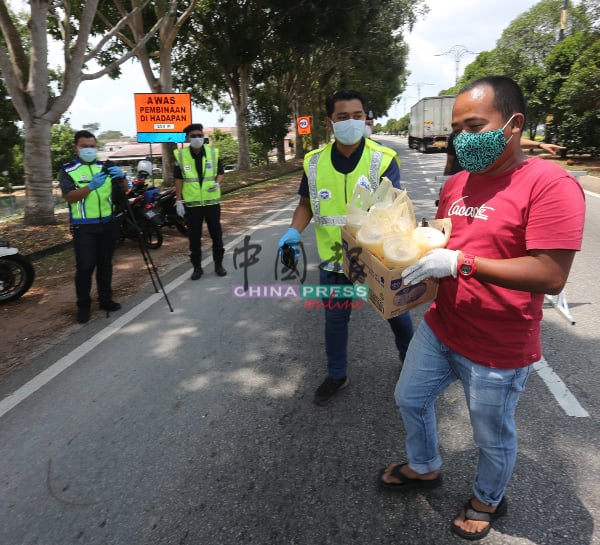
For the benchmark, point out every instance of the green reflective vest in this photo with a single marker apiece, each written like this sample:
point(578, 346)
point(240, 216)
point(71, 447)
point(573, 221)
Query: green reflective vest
point(330, 191)
point(97, 207)
point(194, 193)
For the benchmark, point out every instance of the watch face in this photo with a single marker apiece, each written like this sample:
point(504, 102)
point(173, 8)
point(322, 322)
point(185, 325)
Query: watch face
point(465, 269)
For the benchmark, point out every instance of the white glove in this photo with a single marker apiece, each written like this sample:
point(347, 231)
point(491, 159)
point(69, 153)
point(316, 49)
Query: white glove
point(213, 187)
point(179, 208)
point(436, 263)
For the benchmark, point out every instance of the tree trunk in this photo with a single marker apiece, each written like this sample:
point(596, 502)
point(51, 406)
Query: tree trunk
point(281, 151)
point(299, 144)
point(39, 201)
point(240, 104)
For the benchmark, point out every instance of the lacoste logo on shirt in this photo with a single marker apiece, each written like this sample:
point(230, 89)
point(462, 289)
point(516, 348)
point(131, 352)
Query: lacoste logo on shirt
point(458, 208)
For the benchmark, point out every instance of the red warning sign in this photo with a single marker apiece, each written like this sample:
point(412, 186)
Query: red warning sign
point(303, 125)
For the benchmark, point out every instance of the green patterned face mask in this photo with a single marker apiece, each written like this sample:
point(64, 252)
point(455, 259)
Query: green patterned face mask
point(477, 151)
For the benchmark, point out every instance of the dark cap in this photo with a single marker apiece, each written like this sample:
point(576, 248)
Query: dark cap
point(193, 127)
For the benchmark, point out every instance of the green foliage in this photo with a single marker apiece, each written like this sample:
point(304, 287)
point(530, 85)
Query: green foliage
point(228, 147)
point(301, 50)
point(578, 103)
point(269, 118)
point(107, 136)
point(61, 145)
point(92, 127)
point(557, 77)
point(258, 156)
point(10, 141)
point(396, 126)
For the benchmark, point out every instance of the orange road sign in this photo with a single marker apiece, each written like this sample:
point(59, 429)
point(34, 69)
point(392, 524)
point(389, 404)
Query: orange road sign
point(303, 125)
point(162, 112)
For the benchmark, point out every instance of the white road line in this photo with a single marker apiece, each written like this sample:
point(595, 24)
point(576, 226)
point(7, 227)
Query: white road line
point(75, 355)
point(559, 390)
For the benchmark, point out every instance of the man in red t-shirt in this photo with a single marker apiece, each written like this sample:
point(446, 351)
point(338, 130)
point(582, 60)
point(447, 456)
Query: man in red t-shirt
point(516, 225)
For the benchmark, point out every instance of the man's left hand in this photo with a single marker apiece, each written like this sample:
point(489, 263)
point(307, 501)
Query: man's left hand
point(115, 172)
point(213, 187)
point(436, 263)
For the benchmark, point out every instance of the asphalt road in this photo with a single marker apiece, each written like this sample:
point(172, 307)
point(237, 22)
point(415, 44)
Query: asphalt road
point(198, 427)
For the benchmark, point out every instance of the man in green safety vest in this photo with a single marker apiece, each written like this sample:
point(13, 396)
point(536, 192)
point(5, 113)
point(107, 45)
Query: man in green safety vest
point(198, 177)
point(87, 188)
point(330, 176)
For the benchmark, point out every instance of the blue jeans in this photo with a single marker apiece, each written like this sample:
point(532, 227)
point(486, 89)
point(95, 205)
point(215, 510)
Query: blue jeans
point(491, 394)
point(336, 328)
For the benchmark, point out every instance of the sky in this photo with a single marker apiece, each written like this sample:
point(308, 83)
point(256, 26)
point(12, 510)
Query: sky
point(474, 24)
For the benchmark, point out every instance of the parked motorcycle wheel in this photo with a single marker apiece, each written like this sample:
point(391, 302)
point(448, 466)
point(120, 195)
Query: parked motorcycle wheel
point(16, 277)
point(153, 236)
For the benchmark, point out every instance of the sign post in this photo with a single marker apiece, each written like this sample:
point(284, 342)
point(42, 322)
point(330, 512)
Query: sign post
point(161, 117)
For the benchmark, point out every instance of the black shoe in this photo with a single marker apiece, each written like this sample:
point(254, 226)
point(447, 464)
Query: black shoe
point(220, 270)
point(329, 388)
point(198, 272)
point(83, 315)
point(110, 306)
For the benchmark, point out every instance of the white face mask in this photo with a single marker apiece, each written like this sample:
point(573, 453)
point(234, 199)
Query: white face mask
point(196, 142)
point(349, 131)
point(368, 131)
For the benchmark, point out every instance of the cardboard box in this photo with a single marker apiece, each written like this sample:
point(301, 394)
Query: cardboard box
point(387, 293)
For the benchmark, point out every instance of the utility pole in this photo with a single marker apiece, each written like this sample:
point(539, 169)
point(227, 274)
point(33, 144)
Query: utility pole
point(418, 86)
point(458, 52)
point(563, 20)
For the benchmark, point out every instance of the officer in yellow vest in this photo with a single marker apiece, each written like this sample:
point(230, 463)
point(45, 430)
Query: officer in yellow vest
point(88, 191)
point(198, 175)
point(330, 176)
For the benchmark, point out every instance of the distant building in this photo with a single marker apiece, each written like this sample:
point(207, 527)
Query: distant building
point(127, 152)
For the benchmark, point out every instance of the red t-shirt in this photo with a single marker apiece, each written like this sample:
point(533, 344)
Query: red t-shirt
point(536, 206)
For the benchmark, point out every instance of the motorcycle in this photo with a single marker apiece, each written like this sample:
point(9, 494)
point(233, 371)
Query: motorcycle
point(164, 204)
point(16, 273)
point(140, 217)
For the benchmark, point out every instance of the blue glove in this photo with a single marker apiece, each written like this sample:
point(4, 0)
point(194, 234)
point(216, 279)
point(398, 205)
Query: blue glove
point(291, 238)
point(97, 180)
point(213, 187)
point(115, 172)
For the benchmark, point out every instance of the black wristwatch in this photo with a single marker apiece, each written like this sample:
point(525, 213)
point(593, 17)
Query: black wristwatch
point(466, 266)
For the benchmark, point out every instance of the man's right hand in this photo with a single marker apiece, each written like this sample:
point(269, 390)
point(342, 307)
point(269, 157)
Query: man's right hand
point(180, 209)
point(97, 180)
point(291, 238)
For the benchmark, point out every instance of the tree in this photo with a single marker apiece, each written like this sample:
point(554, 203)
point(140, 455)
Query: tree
point(529, 51)
point(304, 47)
point(270, 118)
point(166, 16)
point(107, 136)
point(228, 148)
point(61, 145)
point(39, 100)
point(10, 137)
point(578, 103)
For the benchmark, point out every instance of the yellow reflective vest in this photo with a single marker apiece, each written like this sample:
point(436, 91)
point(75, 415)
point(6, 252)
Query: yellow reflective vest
point(97, 207)
point(194, 193)
point(330, 191)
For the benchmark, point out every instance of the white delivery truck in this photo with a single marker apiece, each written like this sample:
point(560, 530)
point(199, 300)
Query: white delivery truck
point(430, 123)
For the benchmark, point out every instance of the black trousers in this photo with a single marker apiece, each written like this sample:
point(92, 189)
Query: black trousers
point(94, 245)
point(195, 215)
